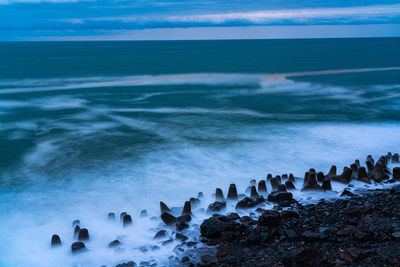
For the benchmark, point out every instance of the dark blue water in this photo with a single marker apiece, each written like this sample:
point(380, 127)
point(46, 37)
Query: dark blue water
point(89, 127)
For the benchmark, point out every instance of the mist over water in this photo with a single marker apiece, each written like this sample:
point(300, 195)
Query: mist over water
point(79, 145)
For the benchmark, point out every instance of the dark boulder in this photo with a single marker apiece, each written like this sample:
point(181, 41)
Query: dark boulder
point(216, 206)
point(168, 219)
point(127, 220)
point(269, 177)
point(253, 182)
point(121, 216)
point(76, 231)
point(363, 176)
point(114, 243)
point(262, 187)
point(291, 177)
point(395, 158)
point(181, 237)
point(247, 202)
point(111, 216)
point(347, 193)
point(356, 210)
point(184, 218)
point(212, 227)
point(161, 234)
point(396, 173)
point(83, 234)
point(232, 192)
point(354, 171)
point(332, 172)
point(344, 178)
point(253, 192)
point(187, 208)
point(55, 241)
point(277, 196)
point(282, 188)
point(320, 176)
point(78, 247)
point(195, 202)
point(286, 214)
point(326, 184)
point(164, 207)
point(275, 182)
point(289, 185)
point(143, 213)
point(76, 222)
point(180, 226)
point(219, 195)
point(311, 183)
point(200, 195)
point(269, 218)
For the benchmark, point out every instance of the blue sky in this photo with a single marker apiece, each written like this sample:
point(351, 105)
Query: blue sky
point(207, 19)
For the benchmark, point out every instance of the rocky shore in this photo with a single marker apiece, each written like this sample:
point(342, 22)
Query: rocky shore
point(360, 226)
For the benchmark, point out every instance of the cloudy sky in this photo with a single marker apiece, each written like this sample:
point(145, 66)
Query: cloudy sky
point(196, 19)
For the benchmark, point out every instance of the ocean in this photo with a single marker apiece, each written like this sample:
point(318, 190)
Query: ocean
point(92, 127)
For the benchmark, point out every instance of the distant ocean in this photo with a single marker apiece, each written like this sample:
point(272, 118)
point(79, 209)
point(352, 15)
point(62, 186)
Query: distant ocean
point(92, 127)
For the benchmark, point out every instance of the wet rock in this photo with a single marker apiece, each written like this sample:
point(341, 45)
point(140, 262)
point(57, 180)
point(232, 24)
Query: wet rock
point(127, 220)
point(306, 257)
point(78, 247)
point(155, 248)
point(253, 192)
point(164, 207)
point(55, 241)
point(83, 234)
point(75, 222)
point(253, 182)
point(332, 172)
point(121, 216)
point(143, 214)
point(262, 187)
point(291, 177)
point(277, 196)
point(219, 195)
point(282, 188)
point(209, 259)
point(200, 195)
point(247, 202)
point(289, 185)
point(217, 206)
point(356, 210)
point(320, 176)
point(187, 208)
point(395, 158)
point(344, 178)
point(111, 216)
point(180, 226)
point(378, 173)
point(347, 193)
point(168, 219)
point(354, 171)
point(195, 202)
point(184, 218)
point(246, 220)
point(127, 264)
point(114, 243)
point(286, 214)
point(167, 242)
point(161, 234)
point(181, 237)
point(232, 192)
point(269, 177)
point(396, 173)
point(269, 218)
point(326, 184)
point(233, 216)
point(363, 176)
point(212, 227)
point(284, 176)
point(275, 182)
point(311, 183)
point(76, 231)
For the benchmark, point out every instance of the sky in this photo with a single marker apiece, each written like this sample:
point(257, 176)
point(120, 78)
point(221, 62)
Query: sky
point(24, 20)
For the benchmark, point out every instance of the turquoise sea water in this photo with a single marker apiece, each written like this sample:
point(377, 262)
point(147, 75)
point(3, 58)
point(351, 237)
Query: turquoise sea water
point(92, 127)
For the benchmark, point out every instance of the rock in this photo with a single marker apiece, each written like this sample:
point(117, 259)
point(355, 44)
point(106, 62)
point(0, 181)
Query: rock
point(114, 243)
point(233, 216)
point(75, 222)
point(291, 177)
point(354, 252)
point(290, 234)
point(195, 202)
point(354, 171)
point(307, 256)
point(200, 195)
point(326, 184)
point(232, 192)
point(378, 173)
point(184, 218)
point(269, 218)
point(246, 220)
point(216, 206)
point(187, 208)
point(209, 260)
point(247, 202)
point(277, 196)
point(289, 185)
point(154, 248)
point(181, 237)
point(286, 214)
point(253, 182)
point(269, 177)
point(127, 220)
point(143, 213)
point(284, 176)
point(180, 226)
point(363, 176)
point(128, 264)
point(164, 207)
point(121, 216)
point(356, 210)
point(83, 234)
point(282, 188)
point(212, 227)
point(111, 216)
point(76, 231)
point(78, 247)
point(344, 178)
point(262, 187)
point(311, 182)
point(332, 172)
point(168, 219)
point(275, 182)
point(161, 234)
point(370, 159)
point(253, 192)
point(55, 241)
point(396, 173)
point(395, 158)
point(219, 195)
point(347, 193)
point(396, 234)
point(320, 176)
point(167, 242)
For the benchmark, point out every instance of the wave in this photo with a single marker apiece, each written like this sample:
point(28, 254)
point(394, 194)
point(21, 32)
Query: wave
point(216, 79)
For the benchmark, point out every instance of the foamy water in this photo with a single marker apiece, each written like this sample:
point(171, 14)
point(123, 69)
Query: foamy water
point(78, 147)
